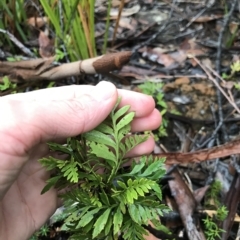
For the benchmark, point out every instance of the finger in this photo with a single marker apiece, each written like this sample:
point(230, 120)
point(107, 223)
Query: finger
point(150, 122)
point(26, 123)
point(144, 148)
point(140, 103)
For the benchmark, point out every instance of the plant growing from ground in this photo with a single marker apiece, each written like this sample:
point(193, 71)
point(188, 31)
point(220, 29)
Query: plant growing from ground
point(105, 199)
point(42, 232)
point(212, 229)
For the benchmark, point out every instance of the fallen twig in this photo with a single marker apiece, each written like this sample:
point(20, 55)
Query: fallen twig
point(44, 69)
point(230, 148)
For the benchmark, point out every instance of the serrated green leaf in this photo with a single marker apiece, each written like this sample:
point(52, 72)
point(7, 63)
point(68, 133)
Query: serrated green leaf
point(49, 163)
point(125, 120)
point(134, 213)
point(148, 213)
point(143, 214)
point(104, 128)
point(122, 184)
point(50, 183)
point(102, 151)
point(129, 197)
point(123, 131)
point(137, 168)
point(153, 167)
point(88, 228)
point(117, 221)
point(122, 207)
point(158, 191)
point(109, 225)
point(87, 217)
point(99, 137)
point(134, 194)
point(104, 198)
point(101, 222)
point(60, 148)
point(120, 112)
point(130, 182)
point(160, 227)
point(140, 191)
point(70, 171)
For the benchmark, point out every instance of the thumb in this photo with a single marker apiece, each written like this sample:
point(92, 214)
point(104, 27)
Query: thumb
point(40, 116)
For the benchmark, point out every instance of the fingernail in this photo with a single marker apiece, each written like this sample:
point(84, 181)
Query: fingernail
point(103, 91)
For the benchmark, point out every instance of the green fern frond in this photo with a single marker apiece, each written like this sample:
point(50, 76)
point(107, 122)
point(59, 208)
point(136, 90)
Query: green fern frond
point(103, 199)
point(133, 231)
point(133, 189)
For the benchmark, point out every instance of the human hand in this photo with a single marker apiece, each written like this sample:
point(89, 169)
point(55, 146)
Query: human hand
point(28, 121)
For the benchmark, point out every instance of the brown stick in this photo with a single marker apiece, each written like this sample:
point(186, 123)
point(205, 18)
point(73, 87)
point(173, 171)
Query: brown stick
point(44, 69)
point(225, 150)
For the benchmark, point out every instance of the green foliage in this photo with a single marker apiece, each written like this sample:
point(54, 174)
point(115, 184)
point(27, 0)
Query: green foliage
point(12, 16)
point(7, 84)
point(76, 29)
point(212, 198)
point(42, 232)
point(212, 229)
point(155, 90)
point(235, 68)
point(104, 199)
point(222, 213)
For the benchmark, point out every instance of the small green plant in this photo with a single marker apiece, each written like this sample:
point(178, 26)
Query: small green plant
point(212, 229)
point(106, 199)
point(235, 67)
point(213, 195)
point(7, 84)
point(42, 232)
point(155, 90)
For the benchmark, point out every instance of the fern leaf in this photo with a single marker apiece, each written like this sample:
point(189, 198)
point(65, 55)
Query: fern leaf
point(144, 215)
point(137, 168)
point(101, 222)
point(131, 191)
point(104, 128)
point(132, 141)
point(85, 219)
point(117, 221)
point(60, 148)
point(125, 120)
point(120, 113)
point(99, 137)
point(50, 183)
point(102, 151)
point(108, 226)
point(134, 213)
point(70, 170)
point(151, 169)
point(123, 132)
point(157, 191)
point(133, 230)
point(49, 163)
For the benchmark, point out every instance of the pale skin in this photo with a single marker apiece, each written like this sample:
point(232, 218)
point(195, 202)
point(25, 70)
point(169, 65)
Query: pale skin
point(28, 121)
